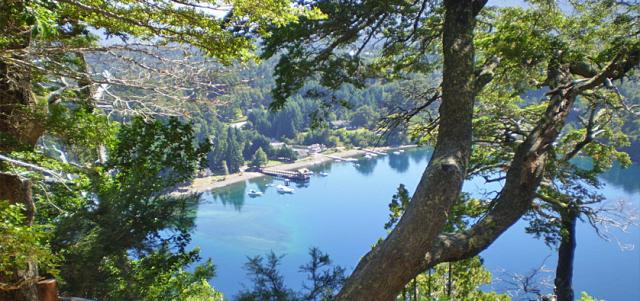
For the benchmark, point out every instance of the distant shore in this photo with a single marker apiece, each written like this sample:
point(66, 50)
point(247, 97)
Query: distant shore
point(202, 184)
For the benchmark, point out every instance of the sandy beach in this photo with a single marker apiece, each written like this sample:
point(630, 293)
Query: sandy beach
point(202, 184)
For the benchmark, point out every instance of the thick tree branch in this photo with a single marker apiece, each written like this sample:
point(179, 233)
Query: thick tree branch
point(526, 169)
point(384, 271)
point(616, 69)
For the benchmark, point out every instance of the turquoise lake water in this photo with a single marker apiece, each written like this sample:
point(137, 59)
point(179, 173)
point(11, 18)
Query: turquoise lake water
point(343, 214)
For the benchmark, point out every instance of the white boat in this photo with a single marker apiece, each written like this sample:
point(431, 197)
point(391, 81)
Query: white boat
point(402, 150)
point(323, 174)
point(368, 156)
point(396, 152)
point(284, 189)
point(253, 193)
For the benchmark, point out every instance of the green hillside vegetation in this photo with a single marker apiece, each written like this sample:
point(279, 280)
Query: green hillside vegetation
point(107, 107)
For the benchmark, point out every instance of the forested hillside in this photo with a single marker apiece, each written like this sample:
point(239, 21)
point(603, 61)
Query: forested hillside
point(236, 117)
point(109, 109)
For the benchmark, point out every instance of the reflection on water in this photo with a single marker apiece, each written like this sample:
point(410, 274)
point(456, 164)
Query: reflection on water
point(301, 184)
point(344, 212)
point(323, 167)
point(626, 178)
point(366, 166)
point(418, 157)
point(400, 163)
point(261, 183)
point(233, 195)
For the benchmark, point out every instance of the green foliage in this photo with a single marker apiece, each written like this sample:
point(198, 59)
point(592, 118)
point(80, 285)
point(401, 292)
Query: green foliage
point(585, 297)
point(77, 126)
point(364, 116)
point(460, 280)
point(123, 236)
point(228, 153)
point(36, 17)
point(286, 153)
point(255, 143)
point(283, 123)
point(467, 276)
point(23, 244)
point(106, 213)
point(259, 158)
point(527, 39)
point(233, 154)
point(161, 276)
point(323, 283)
point(398, 204)
point(130, 230)
point(191, 22)
point(148, 150)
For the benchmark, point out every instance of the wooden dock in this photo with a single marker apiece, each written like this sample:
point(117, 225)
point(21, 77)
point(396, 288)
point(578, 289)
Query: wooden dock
point(287, 174)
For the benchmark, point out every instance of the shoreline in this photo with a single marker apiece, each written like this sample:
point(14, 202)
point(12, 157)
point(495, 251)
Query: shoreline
point(204, 184)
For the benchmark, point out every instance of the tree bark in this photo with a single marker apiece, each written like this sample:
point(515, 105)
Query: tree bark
point(522, 179)
point(526, 168)
point(566, 254)
point(20, 126)
point(386, 269)
point(414, 245)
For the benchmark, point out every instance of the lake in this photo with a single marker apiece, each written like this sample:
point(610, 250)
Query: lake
point(343, 214)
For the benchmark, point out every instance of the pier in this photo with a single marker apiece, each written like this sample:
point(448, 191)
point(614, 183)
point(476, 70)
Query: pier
point(297, 176)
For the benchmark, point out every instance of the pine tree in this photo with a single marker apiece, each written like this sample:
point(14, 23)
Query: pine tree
point(233, 153)
point(259, 158)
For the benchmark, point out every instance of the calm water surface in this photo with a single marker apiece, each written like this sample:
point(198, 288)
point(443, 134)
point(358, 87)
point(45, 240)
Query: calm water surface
point(343, 214)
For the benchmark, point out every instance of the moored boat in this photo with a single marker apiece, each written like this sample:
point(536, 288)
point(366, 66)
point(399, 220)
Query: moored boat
point(284, 189)
point(253, 193)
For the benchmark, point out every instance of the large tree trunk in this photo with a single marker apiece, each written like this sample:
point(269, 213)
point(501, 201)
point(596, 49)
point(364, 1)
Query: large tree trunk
point(385, 270)
point(526, 168)
point(522, 179)
point(415, 244)
point(566, 254)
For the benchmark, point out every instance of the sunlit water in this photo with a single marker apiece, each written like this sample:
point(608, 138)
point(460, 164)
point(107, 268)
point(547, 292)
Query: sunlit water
point(343, 214)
